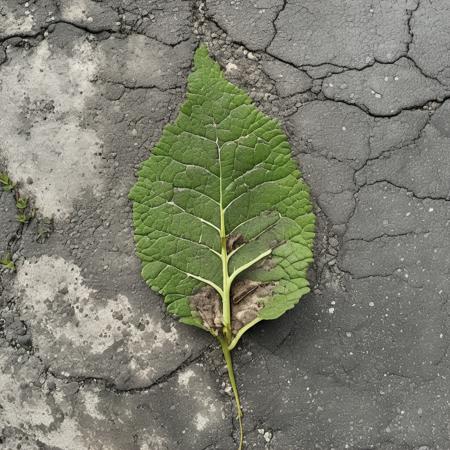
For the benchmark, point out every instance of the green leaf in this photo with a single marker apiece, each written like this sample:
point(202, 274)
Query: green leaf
point(22, 203)
point(220, 206)
point(7, 263)
point(223, 222)
point(23, 218)
point(6, 182)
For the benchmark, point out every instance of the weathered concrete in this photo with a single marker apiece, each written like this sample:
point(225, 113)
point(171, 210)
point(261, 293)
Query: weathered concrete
point(88, 357)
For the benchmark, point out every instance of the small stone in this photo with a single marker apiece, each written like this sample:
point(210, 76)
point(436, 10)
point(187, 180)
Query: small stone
point(230, 67)
point(333, 242)
point(268, 436)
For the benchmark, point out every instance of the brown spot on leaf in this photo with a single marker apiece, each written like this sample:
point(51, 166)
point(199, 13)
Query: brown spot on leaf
point(251, 297)
point(266, 264)
point(242, 289)
point(234, 241)
point(208, 305)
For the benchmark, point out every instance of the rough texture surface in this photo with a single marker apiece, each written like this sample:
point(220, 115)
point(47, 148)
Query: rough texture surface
point(87, 355)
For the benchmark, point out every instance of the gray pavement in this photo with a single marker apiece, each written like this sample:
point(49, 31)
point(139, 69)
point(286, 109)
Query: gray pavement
point(88, 357)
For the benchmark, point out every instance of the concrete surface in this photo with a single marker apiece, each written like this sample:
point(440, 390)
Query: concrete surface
point(88, 357)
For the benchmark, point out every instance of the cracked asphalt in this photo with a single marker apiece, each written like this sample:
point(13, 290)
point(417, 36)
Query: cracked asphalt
point(88, 357)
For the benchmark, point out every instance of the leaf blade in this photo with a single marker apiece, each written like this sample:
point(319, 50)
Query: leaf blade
point(223, 166)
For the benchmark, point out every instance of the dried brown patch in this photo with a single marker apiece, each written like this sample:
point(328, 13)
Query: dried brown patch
point(242, 289)
point(207, 304)
point(234, 241)
point(248, 297)
point(266, 264)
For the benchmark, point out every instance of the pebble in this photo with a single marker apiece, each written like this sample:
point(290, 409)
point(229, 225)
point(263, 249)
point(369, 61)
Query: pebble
point(268, 436)
point(230, 67)
point(333, 242)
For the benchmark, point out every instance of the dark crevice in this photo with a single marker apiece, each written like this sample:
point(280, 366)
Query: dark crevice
point(274, 24)
point(364, 277)
point(174, 89)
point(413, 194)
point(366, 110)
point(87, 29)
point(410, 14)
point(112, 387)
point(387, 236)
point(393, 149)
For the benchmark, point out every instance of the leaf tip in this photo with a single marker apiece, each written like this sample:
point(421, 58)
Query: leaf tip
point(202, 59)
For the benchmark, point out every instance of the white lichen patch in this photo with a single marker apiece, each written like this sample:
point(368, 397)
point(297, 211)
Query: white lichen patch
point(55, 296)
point(185, 376)
point(20, 399)
point(12, 400)
point(153, 442)
point(75, 10)
point(91, 404)
point(208, 411)
point(42, 138)
point(12, 24)
point(68, 318)
point(89, 12)
point(201, 421)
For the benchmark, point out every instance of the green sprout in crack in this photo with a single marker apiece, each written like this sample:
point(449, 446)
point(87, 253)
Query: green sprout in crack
point(23, 218)
point(7, 263)
point(44, 229)
point(22, 203)
point(6, 182)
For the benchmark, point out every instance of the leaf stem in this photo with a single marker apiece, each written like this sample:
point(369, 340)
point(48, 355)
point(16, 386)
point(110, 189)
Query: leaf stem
point(226, 281)
point(229, 362)
point(226, 302)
